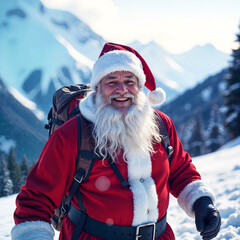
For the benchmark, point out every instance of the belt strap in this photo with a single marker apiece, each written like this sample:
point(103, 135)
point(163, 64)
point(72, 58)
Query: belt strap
point(117, 232)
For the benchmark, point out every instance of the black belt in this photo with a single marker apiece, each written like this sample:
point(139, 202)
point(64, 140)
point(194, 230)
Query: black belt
point(106, 231)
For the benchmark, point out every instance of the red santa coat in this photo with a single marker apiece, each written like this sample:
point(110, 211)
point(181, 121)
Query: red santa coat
point(103, 195)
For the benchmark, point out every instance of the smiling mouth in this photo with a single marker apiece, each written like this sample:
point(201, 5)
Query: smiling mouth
point(121, 99)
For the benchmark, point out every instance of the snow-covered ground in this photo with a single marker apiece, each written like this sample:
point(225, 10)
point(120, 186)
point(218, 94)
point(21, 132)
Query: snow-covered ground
point(221, 170)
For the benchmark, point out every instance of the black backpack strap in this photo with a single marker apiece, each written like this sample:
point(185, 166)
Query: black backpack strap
point(165, 138)
point(79, 175)
point(48, 126)
point(79, 178)
point(117, 172)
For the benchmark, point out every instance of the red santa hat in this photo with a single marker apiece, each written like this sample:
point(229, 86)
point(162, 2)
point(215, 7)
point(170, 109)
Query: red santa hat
point(115, 57)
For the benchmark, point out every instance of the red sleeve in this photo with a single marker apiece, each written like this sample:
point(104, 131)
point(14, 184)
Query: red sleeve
point(50, 178)
point(182, 170)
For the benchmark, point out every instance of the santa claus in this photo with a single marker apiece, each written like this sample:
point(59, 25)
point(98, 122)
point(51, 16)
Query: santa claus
point(124, 128)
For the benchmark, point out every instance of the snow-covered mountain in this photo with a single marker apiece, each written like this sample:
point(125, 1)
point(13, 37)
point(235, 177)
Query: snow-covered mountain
point(198, 100)
point(182, 71)
point(19, 127)
point(192, 112)
point(220, 170)
point(43, 49)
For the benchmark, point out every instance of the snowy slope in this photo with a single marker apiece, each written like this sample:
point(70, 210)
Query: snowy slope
point(220, 170)
point(19, 127)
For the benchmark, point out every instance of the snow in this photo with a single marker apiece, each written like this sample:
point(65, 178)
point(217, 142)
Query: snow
point(174, 65)
point(206, 94)
point(232, 117)
point(27, 103)
point(220, 170)
point(231, 144)
point(181, 71)
point(36, 40)
point(6, 144)
point(232, 89)
point(49, 41)
point(74, 53)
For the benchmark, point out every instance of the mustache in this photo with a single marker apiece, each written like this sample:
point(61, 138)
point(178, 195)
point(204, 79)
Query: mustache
point(125, 95)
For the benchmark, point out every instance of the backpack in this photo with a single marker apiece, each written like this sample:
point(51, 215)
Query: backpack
point(65, 106)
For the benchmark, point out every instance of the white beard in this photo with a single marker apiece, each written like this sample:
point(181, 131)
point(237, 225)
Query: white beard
point(133, 131)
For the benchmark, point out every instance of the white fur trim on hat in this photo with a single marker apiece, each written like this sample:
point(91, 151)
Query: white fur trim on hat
point(157, 97)
point(117, 60)
point(191, 193)
point(32, 230)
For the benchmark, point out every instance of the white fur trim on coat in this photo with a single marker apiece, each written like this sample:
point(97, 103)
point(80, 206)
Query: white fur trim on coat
point(87, 107)
point(32, 230)
point(142, 185)
point(191, 193)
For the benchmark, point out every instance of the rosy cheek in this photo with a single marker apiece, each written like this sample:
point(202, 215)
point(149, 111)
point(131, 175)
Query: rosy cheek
point(134, 89)
point(108, 91)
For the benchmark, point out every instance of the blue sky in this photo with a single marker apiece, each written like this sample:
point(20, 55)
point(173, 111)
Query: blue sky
point(177, 25)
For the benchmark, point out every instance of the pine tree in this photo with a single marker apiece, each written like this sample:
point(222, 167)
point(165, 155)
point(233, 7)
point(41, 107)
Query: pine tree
point(185, 134)
point(215, 132)
point(232, 93)
point(24, 170)
point(197, 146)
point(6, 186)
point(15, 171)
point(33, 164)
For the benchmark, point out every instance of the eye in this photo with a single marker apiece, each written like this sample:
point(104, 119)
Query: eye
point(111, 83)
point(130, 82)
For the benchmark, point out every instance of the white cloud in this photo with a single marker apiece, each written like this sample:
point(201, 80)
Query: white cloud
point(96, 13)
point(176, 25)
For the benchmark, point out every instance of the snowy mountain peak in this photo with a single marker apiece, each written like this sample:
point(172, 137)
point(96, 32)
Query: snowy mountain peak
point(182, 71)
point(207, 49)
point(48, 49)
point(51, 48)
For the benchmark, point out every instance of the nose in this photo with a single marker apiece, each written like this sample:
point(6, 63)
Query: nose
point(121, 89)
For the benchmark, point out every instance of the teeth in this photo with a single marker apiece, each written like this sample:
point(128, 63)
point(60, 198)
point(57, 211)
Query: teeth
point(121, 99)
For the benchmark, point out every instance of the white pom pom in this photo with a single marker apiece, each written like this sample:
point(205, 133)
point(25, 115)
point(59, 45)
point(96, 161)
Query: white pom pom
point(157, 97)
